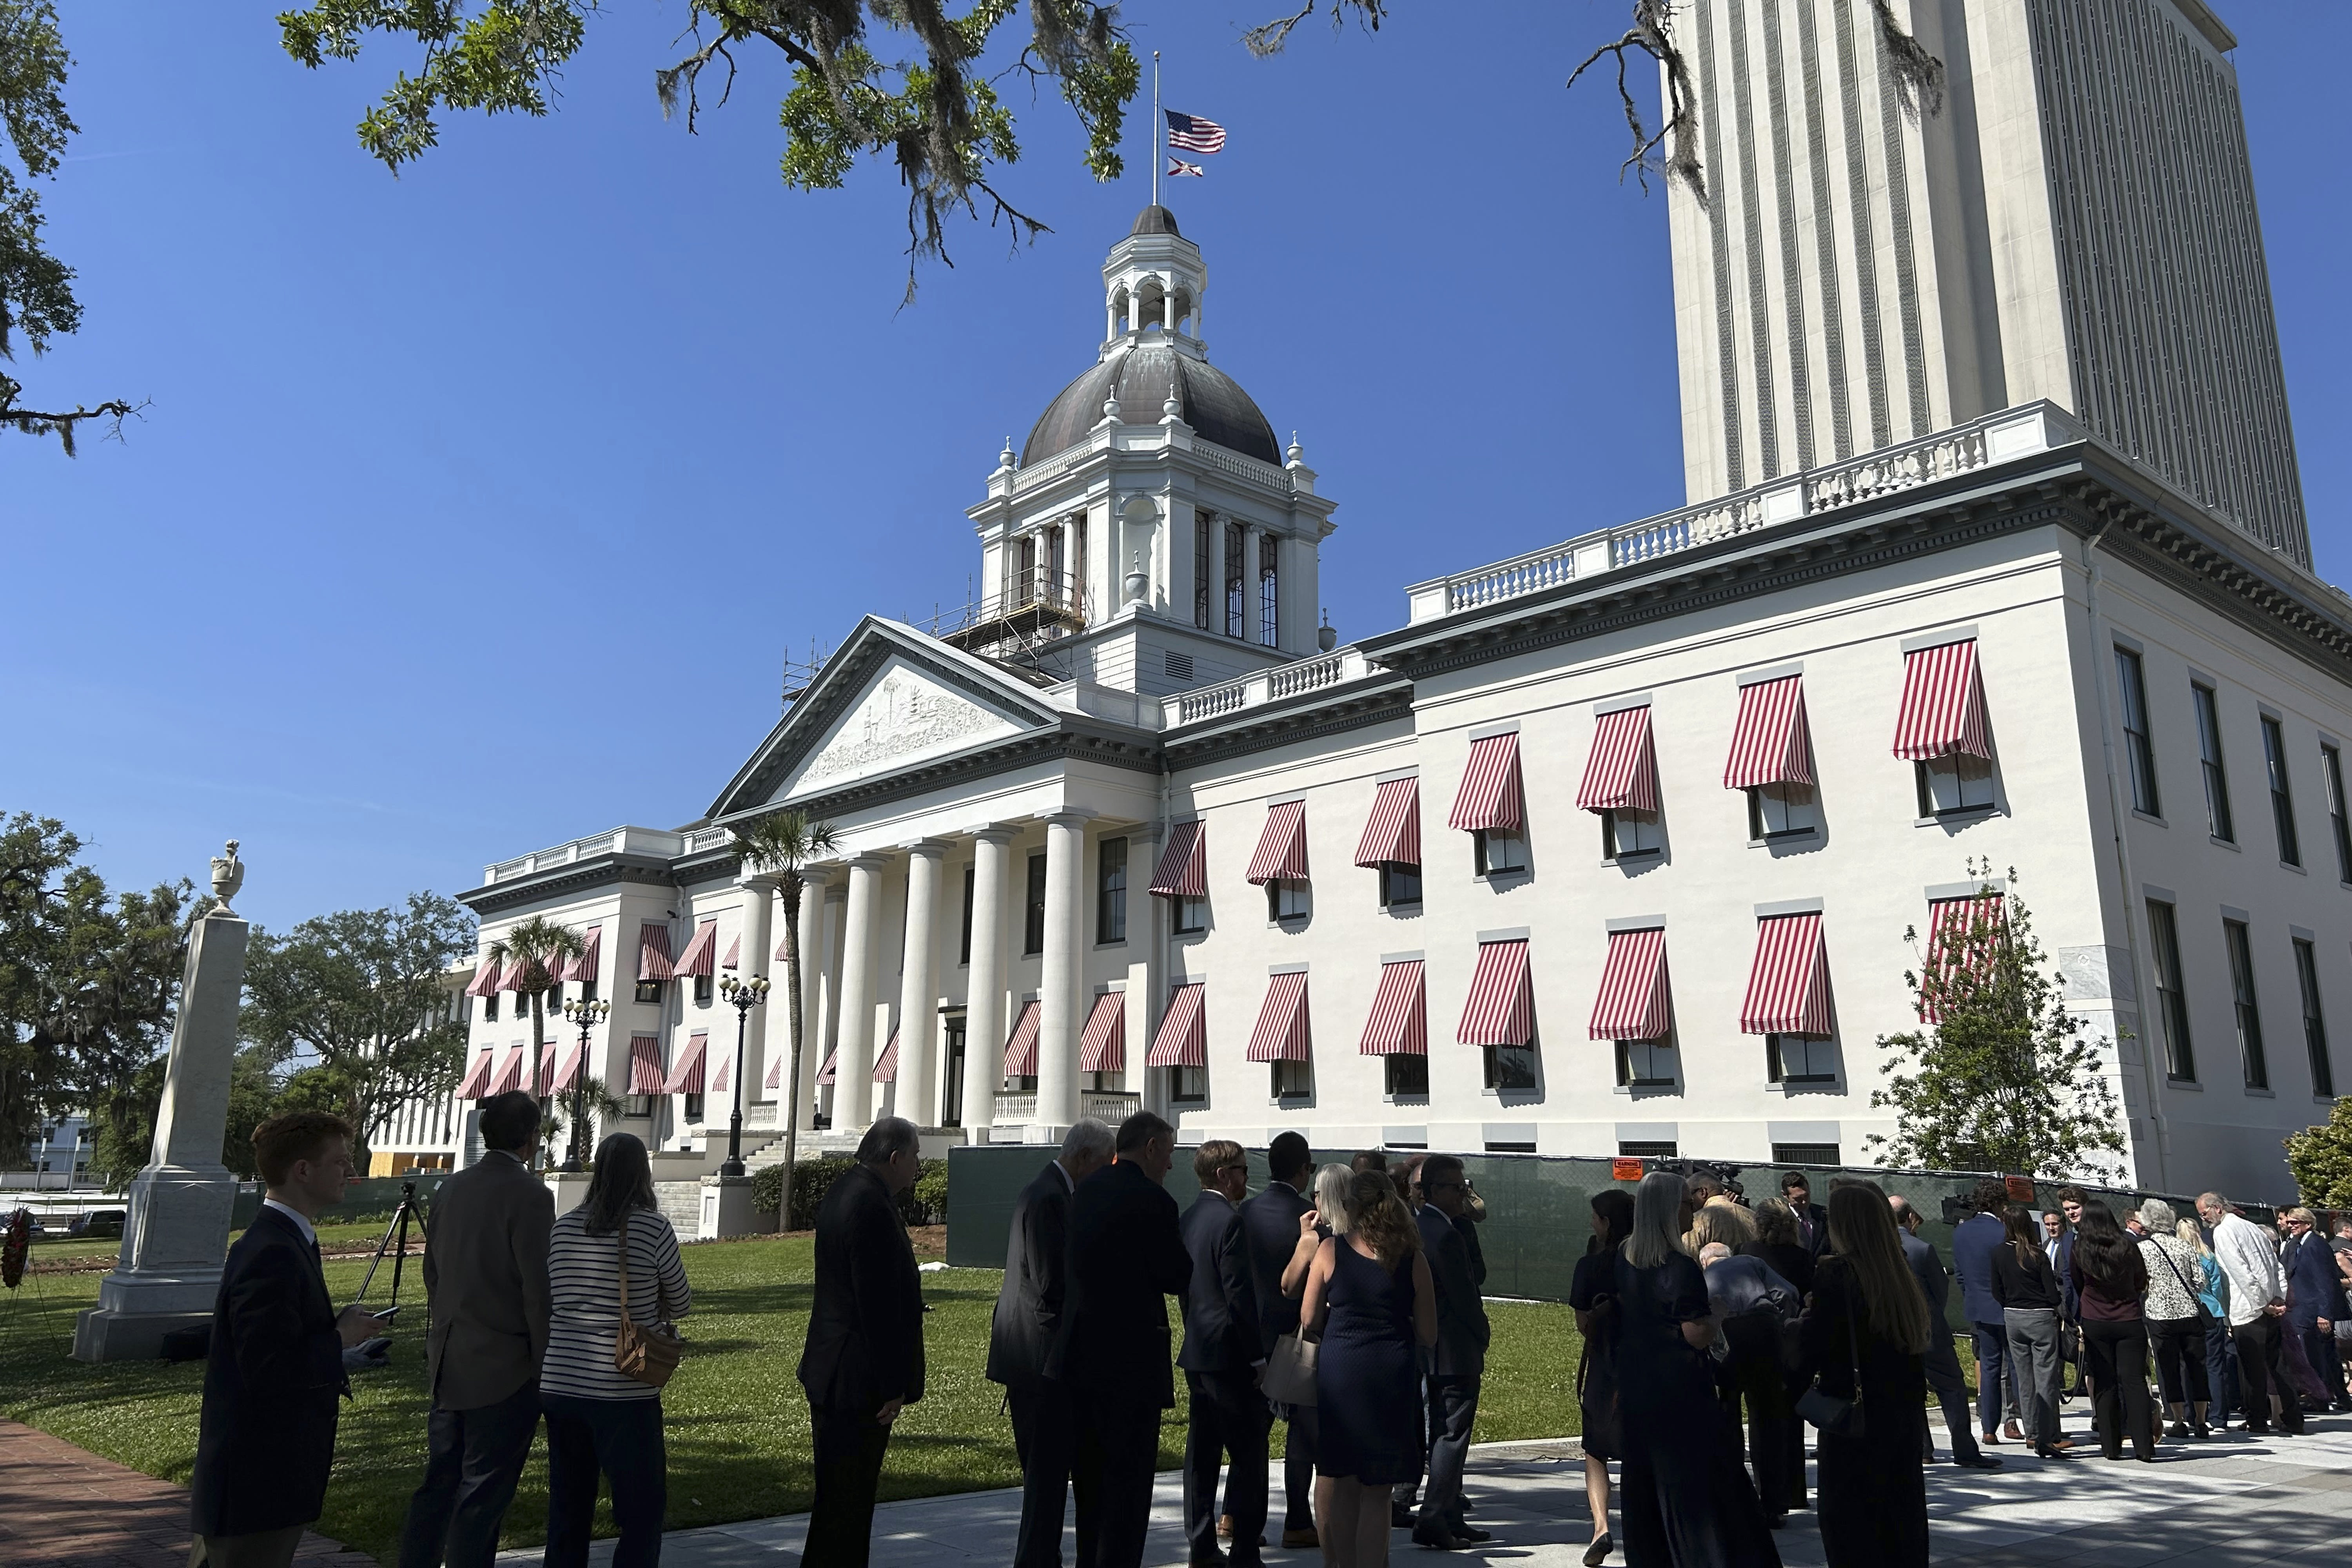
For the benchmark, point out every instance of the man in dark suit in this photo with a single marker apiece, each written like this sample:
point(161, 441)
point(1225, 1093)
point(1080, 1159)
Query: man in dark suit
point(1974, 1240)
point(1021, 1336)
point(1126, 1257)
point(1813, 1220)
point(1943, 1366)
point(1222, 1357)
point(1270, 1230)
point(486, 1286)
point(863, 1358)
point(1458, 1269)
point(267, 1437)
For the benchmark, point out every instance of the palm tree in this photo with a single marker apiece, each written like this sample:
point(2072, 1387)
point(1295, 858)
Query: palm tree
point(541, 947)
point(779, 845)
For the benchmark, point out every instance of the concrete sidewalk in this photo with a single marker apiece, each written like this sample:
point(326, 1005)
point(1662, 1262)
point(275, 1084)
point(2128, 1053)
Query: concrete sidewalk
point(2232, 1502)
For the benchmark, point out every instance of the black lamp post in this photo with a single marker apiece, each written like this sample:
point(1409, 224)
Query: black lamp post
point(587, 1015)
point(745, 994)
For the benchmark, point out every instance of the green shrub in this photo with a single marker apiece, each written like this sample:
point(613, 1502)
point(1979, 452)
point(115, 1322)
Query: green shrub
point(926, 1203)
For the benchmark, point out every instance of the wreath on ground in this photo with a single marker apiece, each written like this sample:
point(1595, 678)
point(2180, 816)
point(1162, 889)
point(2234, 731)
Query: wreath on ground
point(14, 1245)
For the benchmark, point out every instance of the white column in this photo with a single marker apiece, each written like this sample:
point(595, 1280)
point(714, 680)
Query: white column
point(1168, 306)
point(1147, 984)
point(918, 990)
point(1057, 999)
point(817, 949)
point(758, 898)
point(853, 1084)
point(983, 1037)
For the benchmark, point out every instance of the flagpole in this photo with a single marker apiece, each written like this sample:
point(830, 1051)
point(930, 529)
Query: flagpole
point(1158, 127)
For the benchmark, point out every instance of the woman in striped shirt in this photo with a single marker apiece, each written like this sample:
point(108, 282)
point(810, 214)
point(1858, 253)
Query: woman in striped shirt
point(597, 1419)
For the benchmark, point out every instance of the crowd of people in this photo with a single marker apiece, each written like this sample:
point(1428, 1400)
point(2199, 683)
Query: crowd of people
point(1346, 1301)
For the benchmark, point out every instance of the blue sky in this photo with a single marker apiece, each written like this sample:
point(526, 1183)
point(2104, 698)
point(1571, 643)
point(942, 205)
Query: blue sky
point(476, 508)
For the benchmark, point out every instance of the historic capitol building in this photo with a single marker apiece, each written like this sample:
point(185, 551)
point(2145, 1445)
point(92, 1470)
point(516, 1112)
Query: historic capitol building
point(1995, 549)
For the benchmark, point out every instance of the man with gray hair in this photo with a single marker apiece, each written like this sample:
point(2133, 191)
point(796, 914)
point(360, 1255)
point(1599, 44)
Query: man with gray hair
point(863, 1358)
point(1028, 1312)
point(2257, 1308)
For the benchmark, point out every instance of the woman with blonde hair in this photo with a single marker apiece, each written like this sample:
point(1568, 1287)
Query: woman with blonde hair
point(1327, 1218)
point(1727, 1223)
point(1687, 1498)
point(2220, 1351)
point(1865, 1337)
point(1370, 1296)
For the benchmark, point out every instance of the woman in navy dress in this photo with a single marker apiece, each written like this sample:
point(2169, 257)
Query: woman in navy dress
point(1592, 1293)
point(1687, 1500)
point(1368, 1292)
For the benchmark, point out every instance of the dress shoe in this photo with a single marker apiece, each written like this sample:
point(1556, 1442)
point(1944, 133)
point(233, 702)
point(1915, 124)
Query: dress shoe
point(1212, 1558)
point(1305, 1537)
point(1402, 1516)
point(1598, 1553)
point(2177, 1429)
point(1991, 1440)
point(2011, 1431)
point(1470, 1534)
point(1978, 1462)
point(1437, 1538)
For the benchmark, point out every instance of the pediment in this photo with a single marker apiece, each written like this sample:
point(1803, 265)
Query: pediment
point(904, 715)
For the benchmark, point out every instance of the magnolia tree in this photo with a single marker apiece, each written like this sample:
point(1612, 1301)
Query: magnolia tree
point(2321, 1159)
point(2001, 1076)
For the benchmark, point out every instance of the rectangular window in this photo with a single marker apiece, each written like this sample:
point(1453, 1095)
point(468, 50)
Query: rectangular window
point(1269, 590)
point(553, 1005)
point(951, 1082)
point(1627, 832)
point(1951, 785)
point(1499, 851)
point(2172, 999)
point(963, 944)
point(1110, 890)
point(1805, 1154)
point(638, 1105)
point(2217, 820)
point(2314, 1024)
point(1638, 1150)
point(491, 1008)
point(1188, 1086)
point(649, 991)
point(1800, 1058)
point(1023, 589)
point(2140, 750)
point(1400, 884)
point(2241, 997)
point(694, 1108)
point(1406, 1076)
point(1033, 907)
point(702, 985)
point(1202, 521)
point(1191, 916)
point(1293, 1080)
point(1236, 546)
point(2331, 769)
point(1510, 1068)
point(1287, 899)
point(1646, 1064)
point(2281, 800)
point(587, 991)
point(1781, 810)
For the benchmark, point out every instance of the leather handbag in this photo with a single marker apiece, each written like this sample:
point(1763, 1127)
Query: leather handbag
point(1839, 1417)
point(1290, 1372)
point(643, 1353)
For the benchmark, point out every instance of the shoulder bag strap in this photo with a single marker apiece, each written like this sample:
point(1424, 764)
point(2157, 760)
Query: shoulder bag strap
point(2166, 1253)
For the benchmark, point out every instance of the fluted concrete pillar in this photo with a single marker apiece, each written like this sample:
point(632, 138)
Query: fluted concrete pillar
point(1147, 986)
point(983, 1036)
point(918, 988)
point(759, 900)
point(853, 1084)
point(799, 1098)
point(1057, 990)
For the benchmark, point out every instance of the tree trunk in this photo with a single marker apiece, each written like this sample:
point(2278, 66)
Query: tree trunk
point(790, 1099)
point(537, 1078)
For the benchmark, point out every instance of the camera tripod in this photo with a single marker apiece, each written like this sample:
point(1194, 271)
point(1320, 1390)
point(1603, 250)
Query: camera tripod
point(397, 1227)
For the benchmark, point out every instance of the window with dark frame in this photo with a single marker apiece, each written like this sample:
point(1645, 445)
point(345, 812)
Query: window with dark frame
point(1188, 1086)
point(1499, 851)
point(2331, 769)
point(2139, 748)
point(2315, 1023)
point(1033, 907)
point(648, 991)
point(1954, 785)
point(2219, 822)
point(1510, 1069)
point(2290, 852)
point(2172, 999)
point(490, 1004)
point(1783, 810)
point(963, 944)
point(1624, 834)
point(1191, 916)
point(588, 991)
point(1646, 1064)
point(1293, 1080)
point(951, 1080)
point(1202, 521)
point(1800, 1058)
point(1400, 884)
point(1110, 890)
point(1269, 590)
point(1805, 1154)
point(1645, 1148)
point(1235, 547)
point(2249, 1011)
point(1287, 899)
point(702, 987)
point(1405, 1075)
point(638, 1105)
point(694, 1108)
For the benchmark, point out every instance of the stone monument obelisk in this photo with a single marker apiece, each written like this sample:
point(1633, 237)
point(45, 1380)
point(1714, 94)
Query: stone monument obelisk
point(175, 1236)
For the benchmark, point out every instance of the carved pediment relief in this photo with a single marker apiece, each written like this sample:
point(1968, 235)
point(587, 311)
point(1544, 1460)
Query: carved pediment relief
point(905, 716)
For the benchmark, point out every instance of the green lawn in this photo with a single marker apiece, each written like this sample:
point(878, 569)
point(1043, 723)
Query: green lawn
point(738, 1425)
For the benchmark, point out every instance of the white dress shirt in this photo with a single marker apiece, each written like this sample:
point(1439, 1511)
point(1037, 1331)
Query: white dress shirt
point(2250, 1264)
point(302, 1221)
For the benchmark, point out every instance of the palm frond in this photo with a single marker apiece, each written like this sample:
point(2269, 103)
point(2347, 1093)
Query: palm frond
point(784, 841)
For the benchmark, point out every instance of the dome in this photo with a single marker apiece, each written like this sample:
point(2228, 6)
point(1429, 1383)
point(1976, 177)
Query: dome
point(1156, 219)
point(1214, 406)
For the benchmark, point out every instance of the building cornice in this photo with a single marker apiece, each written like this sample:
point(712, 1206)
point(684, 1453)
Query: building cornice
point(571, 881)
point(1332, 711)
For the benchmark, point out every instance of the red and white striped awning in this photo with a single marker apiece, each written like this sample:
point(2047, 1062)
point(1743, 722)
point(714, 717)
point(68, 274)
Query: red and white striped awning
point(1621, 774)
point(1964, 938)
point(825, 1074)
point(1102, 1047)
point(1789, 987)
point(1393, 833)
point(782, 943)
point(476, 1085)
point(1490, 795)
point(509, 1073)
point(734, 951)
point(1183, 868)
point(518, 970)
point(1183, 1038)
point(1501, 1007)
point(722, 1075)
point(1771, 742)
point(567, 1077)
point(1943, 705)
point(1282, 1034)
point(486, 978)
point(1634, 1003)
point(885, 1066)
point(1021, 1046)
point(653, 950)
point(688, 1077)
point(1281, 845)
point(646, 1064)
point(1399, 1024)
point(696, 962)
point(776, 1070)
point(592, 956)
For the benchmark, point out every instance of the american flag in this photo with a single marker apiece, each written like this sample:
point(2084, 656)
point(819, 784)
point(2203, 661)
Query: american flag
point(1178, 166)
point(1194, 134)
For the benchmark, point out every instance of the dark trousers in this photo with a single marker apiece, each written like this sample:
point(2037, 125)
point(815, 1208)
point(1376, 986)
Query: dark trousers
point(1453, 1411)
point(2115, 1356)
point(2259, 1347)
point(1229, 1418)
point(1993, 1369)
point(472, 1460)
point(1042, 1436)
point(2221, 1371)
point(622, 1438)
point(2181, 1370)
point(1951, 1390)
point(849, 1443)
point(1298, 1469)
point(2327, 1365)
point(1118, 1450)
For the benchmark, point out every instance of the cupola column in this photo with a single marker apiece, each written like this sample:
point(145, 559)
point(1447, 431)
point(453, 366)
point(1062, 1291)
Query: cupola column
point(1168, 306)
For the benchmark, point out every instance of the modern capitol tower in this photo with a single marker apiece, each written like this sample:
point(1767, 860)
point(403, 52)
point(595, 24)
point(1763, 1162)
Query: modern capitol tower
point(1616, 847)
